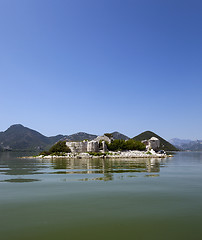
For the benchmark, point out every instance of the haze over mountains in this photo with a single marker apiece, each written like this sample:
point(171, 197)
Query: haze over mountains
point(18, 137)
point(186, 144)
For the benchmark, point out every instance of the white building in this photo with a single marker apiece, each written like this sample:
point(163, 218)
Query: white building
point(85, 146)
point(96, 145)
point(152, 143)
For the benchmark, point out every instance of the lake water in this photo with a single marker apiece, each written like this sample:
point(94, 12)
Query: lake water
point(101, 199)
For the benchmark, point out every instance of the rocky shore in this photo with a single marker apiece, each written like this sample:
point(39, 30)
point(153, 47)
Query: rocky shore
point(111, 155)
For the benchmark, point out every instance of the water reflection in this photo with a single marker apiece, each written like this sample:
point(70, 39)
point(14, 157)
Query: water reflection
point(20, 180)
point(107, 168)
point(16, 170)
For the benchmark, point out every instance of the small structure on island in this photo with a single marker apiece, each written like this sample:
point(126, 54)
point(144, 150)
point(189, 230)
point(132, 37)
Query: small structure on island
point(93, 146)
point(96, 145)
point(77, 147)
point(152, 143)
point(104, 138)
point(85, 146)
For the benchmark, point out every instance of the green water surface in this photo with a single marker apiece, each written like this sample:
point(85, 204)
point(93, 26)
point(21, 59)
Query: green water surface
point(101, 199)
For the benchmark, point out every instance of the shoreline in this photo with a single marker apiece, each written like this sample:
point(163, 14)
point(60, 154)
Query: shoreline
point(109, 155)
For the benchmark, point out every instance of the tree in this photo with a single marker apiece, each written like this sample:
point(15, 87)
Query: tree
point(58, 148)
point(121, 145)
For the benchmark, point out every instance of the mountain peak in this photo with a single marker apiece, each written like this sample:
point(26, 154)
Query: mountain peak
point(18, 137)
point(148, 132)
point(16, 125)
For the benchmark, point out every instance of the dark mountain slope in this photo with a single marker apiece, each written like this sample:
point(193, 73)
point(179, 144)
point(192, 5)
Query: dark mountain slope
point(18, 137)
point(80, 136)
point(165, 145)
point(118, 135)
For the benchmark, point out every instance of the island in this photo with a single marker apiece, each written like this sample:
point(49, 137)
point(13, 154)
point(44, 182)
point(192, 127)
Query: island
point(106, 147)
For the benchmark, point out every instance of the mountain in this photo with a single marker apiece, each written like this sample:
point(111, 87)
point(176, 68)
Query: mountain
point(18, 137)
point(187, 145)
point(164, 145)
point(179, 142)
point(80, 136)
point(118, 135)
point(192, 146)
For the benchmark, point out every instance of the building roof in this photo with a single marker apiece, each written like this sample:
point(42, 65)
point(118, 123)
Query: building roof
point(154, 139)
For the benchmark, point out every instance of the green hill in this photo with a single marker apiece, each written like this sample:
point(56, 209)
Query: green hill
point(164, 145)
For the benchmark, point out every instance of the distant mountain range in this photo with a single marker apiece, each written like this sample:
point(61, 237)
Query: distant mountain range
point(187, 145)
point(18, 137)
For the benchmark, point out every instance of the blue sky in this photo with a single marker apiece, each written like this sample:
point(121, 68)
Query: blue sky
point(102, 66)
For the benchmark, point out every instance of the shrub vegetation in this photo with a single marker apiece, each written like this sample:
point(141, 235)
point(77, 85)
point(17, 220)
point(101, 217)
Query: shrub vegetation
point(121, 145)
point(57, 149)
point(97, 153)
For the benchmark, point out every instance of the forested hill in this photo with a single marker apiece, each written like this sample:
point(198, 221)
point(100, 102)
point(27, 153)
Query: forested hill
point(18, 137)
point(164, 145)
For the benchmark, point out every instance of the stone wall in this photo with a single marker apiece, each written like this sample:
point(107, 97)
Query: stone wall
point(103, 138)
point(93, 146)
point(85, 146)
point(77, 147)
